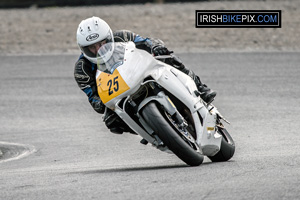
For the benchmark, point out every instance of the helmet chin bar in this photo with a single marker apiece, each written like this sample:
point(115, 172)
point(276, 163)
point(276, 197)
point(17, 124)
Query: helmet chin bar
point(105, 52)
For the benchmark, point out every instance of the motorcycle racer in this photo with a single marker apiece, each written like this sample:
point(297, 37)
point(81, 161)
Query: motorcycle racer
point(92, 33)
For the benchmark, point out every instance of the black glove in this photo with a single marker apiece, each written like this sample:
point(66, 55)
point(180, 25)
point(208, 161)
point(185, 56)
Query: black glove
point(160, 50)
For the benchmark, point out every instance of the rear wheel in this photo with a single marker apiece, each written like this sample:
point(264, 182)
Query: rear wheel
point(182, 144)
point(227, 147)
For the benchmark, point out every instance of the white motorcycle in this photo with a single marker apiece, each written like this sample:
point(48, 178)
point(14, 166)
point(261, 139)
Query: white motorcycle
point(161, 104)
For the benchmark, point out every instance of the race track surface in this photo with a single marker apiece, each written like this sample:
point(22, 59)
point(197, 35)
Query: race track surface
point(71, 154)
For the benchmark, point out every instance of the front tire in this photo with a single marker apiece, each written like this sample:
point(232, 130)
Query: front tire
point(169, 136)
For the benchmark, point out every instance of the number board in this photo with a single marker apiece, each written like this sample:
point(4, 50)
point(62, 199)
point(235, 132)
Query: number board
point(111, 85)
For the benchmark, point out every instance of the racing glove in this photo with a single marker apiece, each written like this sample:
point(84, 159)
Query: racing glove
point(160, 50)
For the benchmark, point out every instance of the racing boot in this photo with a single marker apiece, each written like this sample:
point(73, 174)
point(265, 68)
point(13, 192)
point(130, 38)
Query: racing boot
point(112, 121)
point(115, 124)
point(205, 93)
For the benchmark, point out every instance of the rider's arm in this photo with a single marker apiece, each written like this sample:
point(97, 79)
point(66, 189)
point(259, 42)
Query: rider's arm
point(84, 74)
point(147, 44)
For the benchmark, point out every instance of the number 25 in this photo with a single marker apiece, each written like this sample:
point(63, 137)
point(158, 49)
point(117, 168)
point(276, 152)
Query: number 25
point(110, 83)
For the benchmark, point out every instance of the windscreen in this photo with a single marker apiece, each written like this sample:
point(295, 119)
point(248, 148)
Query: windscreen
point(110, 56)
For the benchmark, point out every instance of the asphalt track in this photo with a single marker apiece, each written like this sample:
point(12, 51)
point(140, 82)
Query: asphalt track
point(69, 154)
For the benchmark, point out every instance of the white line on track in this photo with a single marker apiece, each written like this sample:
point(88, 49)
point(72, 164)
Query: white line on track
point(23, 150)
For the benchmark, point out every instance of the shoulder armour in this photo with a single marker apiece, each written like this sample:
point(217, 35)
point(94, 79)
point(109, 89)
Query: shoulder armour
point(124, 36)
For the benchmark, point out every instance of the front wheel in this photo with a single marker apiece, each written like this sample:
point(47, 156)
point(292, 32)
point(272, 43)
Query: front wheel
point(167, 132)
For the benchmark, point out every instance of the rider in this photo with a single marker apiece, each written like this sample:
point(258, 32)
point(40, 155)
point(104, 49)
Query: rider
point(94, 32)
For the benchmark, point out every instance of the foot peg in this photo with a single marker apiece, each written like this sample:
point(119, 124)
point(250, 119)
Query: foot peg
point(197, 93)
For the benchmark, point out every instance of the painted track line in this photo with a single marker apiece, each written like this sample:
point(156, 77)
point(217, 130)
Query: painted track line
point(15, 151)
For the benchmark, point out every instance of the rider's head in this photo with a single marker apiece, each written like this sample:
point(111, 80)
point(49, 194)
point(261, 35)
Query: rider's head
point(92, 33)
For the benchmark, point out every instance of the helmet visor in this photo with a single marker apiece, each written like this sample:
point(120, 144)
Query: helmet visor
point(91, 50)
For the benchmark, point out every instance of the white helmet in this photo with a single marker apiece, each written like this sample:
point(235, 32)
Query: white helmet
point(91, 31)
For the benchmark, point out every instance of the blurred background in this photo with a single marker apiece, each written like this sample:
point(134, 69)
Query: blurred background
point(46, 3)
point(49, 26)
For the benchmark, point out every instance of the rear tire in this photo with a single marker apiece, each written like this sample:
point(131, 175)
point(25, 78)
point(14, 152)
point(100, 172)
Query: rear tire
point(227, 147)
point(169, 136)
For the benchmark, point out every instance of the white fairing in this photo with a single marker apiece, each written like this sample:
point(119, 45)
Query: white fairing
point(139, 64)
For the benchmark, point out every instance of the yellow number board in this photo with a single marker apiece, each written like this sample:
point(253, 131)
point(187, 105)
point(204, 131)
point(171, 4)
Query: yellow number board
point(110, 85)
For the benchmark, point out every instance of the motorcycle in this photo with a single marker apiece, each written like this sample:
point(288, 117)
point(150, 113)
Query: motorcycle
point(161, 104)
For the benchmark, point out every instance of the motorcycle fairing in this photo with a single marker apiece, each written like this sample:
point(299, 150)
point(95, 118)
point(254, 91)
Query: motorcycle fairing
point(139, 64)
